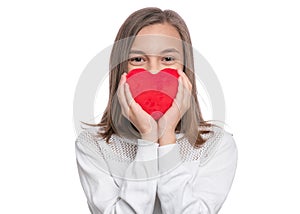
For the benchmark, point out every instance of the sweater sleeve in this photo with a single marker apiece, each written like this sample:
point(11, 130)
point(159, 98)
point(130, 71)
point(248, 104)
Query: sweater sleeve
point(104, 195)
point(182, 192)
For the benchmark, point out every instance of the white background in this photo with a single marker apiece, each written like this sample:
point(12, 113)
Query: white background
point(253, 47)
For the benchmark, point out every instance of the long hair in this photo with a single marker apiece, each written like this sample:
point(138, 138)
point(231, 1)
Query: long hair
point(191, 124)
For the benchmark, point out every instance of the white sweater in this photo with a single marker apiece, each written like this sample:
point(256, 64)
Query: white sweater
point(137, 176)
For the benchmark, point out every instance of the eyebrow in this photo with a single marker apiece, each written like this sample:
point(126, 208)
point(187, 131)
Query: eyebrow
point(168, 50)
point(137, 52)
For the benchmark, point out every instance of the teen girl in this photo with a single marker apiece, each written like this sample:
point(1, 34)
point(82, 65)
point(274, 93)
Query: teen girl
point(133, 163)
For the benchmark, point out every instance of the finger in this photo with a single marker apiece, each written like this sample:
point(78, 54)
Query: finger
point(123, 102)
point(120, 91)
point(122, 79)
point(121, 95)
point(187, 92)
point(186, 80)
point(180, 89)
point(179, 96)
point(128, 96)
point(187, 88)
point(184, 95)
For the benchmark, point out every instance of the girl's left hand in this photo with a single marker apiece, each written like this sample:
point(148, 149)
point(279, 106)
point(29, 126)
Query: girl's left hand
point(168, 122)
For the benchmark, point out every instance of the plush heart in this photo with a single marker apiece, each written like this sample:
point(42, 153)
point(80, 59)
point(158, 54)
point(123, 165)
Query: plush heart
point(154, 92)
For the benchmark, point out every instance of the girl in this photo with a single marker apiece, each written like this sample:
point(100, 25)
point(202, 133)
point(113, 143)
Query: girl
point(133, 163)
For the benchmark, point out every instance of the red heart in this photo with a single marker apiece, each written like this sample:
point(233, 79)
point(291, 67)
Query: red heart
point(154, 92)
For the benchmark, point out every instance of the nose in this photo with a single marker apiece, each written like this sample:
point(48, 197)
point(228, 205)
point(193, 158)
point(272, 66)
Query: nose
point(153, 65)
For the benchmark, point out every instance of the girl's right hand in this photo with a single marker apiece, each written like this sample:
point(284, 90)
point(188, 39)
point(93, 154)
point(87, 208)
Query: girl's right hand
point(146, 125)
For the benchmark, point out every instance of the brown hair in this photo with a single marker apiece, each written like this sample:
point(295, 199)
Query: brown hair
point(113, 122)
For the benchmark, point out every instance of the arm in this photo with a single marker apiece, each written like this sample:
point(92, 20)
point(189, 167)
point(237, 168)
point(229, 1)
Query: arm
point(181, 192)
point(103, 194)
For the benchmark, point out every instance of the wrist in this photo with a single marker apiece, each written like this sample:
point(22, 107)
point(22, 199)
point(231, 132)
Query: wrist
point(151, 133)
point(150, 138)
point(168, 137)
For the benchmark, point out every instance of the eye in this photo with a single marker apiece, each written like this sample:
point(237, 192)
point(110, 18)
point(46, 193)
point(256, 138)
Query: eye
point(168, 60)
point(136, 60)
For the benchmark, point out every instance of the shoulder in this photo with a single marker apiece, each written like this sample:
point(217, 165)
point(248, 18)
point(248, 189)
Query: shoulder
point(118, 149)
point(227, 141)
point(218, 142)
point(225, 149)
point(87, 142)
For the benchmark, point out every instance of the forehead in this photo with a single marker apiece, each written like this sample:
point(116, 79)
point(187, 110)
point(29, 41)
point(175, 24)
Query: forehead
point(156, 38)
point(160, 29)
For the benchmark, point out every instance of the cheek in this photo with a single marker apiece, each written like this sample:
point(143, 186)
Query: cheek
point(179, 66)
point(176, 67)
point(131, 67)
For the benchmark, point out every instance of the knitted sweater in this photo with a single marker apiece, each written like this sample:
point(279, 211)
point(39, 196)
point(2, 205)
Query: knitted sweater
point(138, 176)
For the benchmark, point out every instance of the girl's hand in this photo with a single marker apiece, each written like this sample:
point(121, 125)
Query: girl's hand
point(146, 125)
point(168, 122)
